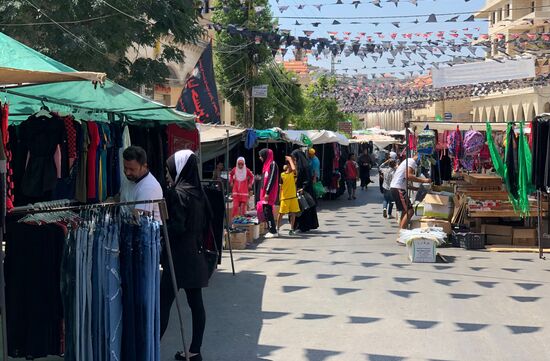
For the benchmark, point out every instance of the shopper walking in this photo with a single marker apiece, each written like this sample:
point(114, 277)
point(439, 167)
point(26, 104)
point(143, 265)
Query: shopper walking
point(351, 176)
point(270, 189)
point(314, 165)
point(365, 165)
point(388, 170)
point(241, 180)
point(189, 218)
point(399, 188)
point(289, 198)
point(307, 220)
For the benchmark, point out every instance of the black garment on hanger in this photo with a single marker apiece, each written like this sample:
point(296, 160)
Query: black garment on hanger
point(34, 312)
point(217, 204)
point(40, 137)
point(512, 164)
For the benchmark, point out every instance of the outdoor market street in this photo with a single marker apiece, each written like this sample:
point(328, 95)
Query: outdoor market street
point(349, 292)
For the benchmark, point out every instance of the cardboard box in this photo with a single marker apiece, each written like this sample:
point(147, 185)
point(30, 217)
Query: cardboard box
point(238, 240)
point(499, 240)
point(497, 230)
point(525, 233)
point(525, 242)
point(429, 222)
point(438, 206)
point(422, 251)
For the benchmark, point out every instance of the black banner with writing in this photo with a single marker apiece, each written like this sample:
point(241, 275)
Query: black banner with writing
point(200, 95)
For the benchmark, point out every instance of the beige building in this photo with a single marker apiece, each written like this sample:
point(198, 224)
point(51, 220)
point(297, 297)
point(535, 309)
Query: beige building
point(507, 19)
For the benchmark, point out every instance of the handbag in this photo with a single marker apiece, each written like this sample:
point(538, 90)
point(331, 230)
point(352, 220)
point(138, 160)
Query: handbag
point(302, 201)
point(306, 201)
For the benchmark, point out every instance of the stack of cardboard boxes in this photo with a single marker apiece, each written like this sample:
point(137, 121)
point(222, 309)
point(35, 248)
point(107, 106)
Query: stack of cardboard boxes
point(437, 211)
point(509, 236)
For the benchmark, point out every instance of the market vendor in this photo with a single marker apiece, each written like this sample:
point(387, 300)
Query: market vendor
point(406, 169)
point(140, 184)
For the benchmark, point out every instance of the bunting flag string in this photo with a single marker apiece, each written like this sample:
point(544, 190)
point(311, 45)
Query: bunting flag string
point(430, 18)
point(354, 3)
point(385, 95)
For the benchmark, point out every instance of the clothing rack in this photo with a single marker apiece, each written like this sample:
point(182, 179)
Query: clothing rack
point(51, 207)
point(226, 220)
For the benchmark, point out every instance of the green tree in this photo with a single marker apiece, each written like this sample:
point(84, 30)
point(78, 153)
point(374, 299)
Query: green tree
point(242, 63)
point(98, 35)
point(320, 112)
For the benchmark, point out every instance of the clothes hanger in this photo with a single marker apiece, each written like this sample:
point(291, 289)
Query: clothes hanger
point(43, 112)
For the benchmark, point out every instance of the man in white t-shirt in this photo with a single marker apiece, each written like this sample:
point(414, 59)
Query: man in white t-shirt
point(399, 188)
point(140, 184)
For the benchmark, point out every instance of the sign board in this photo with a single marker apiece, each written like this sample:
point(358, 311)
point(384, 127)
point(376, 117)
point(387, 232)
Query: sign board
point(346, 128)
point(259, 91)
point(448, 116)
point(483, 72)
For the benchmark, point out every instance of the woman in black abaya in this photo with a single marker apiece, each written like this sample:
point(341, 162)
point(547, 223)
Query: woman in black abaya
point(308, 219)
point(189, 217)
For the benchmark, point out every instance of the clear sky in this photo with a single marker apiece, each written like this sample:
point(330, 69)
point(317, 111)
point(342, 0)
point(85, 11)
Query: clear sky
point(392, 14)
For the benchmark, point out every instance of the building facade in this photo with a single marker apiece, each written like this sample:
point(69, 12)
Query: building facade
point(509, 20)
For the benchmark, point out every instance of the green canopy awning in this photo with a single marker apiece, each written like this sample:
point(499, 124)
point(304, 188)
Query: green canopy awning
point(76, 96)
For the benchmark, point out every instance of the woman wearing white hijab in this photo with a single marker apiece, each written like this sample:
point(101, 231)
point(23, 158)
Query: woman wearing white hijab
point(241, 180)
point(188, 223)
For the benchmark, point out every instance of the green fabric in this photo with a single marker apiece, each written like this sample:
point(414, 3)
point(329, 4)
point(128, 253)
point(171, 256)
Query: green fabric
point(498, 163)
point(14, 54)
point(525, 181)
point(69, 96)
point(96, 101)
point(305, 140)
point(268, 134)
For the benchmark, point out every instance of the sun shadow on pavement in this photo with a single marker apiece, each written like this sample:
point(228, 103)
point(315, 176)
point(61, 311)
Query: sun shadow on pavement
point(234, 319)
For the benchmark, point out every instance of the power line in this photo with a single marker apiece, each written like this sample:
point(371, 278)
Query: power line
point(76, 37)
point(59, 22)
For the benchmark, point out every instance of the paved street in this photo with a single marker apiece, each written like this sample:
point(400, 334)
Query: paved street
point(348, 292)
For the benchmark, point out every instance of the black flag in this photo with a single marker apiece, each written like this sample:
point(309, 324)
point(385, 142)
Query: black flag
point(200, 95)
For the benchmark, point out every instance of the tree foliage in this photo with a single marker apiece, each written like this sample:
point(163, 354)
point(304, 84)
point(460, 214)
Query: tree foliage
point(99, 35)
point(240, 64)
point(320, 112)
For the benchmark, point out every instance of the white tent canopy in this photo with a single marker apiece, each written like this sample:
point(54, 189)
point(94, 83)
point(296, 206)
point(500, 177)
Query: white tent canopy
point(214, 133)
point(316, 136)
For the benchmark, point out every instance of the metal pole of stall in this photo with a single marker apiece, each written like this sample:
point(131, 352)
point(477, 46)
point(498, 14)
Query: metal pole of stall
point(225, 198)
point(406, 159)
point(164, 217)
point(539, 226)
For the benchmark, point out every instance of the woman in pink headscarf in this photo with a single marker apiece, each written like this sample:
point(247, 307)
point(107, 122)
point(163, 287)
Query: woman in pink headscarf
point(241, 180)
point(270, 189)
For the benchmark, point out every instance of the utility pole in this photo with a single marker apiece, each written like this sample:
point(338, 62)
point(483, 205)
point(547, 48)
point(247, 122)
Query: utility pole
point(332, 64)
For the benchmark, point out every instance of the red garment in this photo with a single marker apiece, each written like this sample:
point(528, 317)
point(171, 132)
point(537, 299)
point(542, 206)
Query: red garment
point(93, 134)
point(271, 179)
point(71, 139)
point(351, 170)
point(240, 188)
point(179, 138)
point(10, 198)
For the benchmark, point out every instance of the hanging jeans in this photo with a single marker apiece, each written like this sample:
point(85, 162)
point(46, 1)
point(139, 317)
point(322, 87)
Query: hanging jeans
point(388, 201)
point(126, 268)
point(68, 292)
point(146, 259)
point(113, 294)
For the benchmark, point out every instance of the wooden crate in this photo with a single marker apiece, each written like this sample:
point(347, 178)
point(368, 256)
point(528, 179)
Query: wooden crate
point(238, 240)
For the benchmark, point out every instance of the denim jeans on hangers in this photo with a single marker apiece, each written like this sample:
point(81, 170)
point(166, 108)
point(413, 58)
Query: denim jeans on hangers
point(77, 302)
point(98, 328)
point(126, 268)
point(87, 327)
point(113, 296)
point(68, 292)
point(156, 291)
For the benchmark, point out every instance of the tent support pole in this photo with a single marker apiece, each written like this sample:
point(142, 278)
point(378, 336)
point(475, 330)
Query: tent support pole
point(406, 159)
point(225, 198)
point(322, 165)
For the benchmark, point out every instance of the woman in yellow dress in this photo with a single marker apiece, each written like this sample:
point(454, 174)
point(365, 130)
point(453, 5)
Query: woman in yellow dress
point(288, 196)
